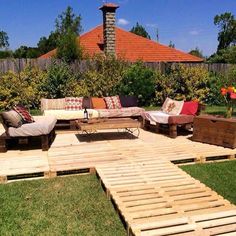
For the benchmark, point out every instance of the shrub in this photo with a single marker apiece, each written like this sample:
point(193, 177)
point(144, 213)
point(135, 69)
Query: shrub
point(139, 80)
point(183, 83)
point(60, 81)
point(21, 88)
point(102, 78)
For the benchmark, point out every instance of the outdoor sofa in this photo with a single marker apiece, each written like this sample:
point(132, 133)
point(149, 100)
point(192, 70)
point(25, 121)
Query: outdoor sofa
point(18, 129)
point(68, 110)
point(173, 115)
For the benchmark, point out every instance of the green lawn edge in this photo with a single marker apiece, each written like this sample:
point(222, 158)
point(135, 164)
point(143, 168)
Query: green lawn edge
point(220, 177)
point(74, 205)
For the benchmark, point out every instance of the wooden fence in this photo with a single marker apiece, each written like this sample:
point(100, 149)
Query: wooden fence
point(17, 65)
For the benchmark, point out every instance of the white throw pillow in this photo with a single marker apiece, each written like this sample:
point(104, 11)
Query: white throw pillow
point(172, 107)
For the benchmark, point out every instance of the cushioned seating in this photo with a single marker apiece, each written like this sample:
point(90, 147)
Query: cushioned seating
point(107, 107)
point(70, 115)
point(173, 114)
point(43, 125)
point(122, 112)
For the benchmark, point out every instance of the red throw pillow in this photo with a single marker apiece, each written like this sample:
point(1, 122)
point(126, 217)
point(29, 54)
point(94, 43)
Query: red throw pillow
point(189, 108)
point(23, 112)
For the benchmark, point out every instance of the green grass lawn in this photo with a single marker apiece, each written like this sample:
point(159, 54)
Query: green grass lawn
point(77, 205)
point(62, 206)
point(220, 177)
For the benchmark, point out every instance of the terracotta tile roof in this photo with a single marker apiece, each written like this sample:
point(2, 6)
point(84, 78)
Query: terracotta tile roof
point(109, 5)
point(131, 47)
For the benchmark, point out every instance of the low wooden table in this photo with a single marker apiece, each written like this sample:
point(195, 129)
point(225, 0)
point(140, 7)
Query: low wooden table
point(215, 130)
point(130, 125)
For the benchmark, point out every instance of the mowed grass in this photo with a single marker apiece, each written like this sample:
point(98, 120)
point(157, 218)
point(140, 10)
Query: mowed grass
point(220, 177)
point(62, 206)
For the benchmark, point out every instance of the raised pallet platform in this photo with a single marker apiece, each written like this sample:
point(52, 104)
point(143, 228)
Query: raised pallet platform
point(151, 193)
point(157, 198)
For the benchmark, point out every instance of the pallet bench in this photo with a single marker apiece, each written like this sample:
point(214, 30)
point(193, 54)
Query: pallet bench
point(46, 140)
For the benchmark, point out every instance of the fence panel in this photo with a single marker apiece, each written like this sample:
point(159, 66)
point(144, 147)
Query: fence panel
point(17, 65)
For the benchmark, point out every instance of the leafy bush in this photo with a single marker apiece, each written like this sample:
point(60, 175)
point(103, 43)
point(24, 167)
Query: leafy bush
point(139, 81)
point(218, 81)
point(102, 78)
point(60, 81)
point(183, 83)
point(21, 88)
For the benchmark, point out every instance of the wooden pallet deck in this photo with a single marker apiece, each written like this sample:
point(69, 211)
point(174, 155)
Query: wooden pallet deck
point(157, 198)
point(72, 153)
point(152, 194)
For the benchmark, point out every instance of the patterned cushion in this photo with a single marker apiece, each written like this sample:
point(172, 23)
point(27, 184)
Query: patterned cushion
point(25, 115)
point(74, 103)
point(53, 104)
point(113, 102)
point(172, 107)
point(11, 118)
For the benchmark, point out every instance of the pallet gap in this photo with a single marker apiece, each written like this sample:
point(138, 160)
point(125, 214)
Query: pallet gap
point(184, 161)
point(73, 172)
point(25, 176)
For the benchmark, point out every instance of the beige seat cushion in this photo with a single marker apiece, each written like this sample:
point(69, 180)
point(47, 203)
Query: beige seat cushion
point(123, 112)
point(43, 125)
point(70, 115)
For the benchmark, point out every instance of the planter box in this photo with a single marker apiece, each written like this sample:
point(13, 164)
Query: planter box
point(213, 130)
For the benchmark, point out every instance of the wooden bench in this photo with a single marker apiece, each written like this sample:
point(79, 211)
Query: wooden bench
point(183, 121)
point(5, 138)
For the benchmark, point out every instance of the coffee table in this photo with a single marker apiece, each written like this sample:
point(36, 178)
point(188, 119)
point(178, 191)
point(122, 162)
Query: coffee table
point(93, 125)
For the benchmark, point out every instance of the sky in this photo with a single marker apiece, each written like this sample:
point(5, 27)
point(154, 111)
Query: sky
point(187, 23)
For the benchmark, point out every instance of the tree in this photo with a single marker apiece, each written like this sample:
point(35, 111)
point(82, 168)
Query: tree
point(227, 55)
point(4, 39)
point(6, 54)
point(68, 47)
point(47, 44)
point(196, 52)
point(171, 44)
point(26, 52)
point(227, 35)
point(68, 21)
point(68, 27)
point(140, 30)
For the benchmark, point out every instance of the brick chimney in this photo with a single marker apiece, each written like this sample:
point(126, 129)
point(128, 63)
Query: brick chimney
point(109, 23)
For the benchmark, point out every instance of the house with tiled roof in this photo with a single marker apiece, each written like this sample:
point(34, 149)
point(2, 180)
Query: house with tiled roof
point(109, 39)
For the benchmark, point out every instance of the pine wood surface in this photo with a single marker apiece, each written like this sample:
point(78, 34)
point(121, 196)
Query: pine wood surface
point(157, 198)
point(152, 194)
point(73, 151)
point(120, 123)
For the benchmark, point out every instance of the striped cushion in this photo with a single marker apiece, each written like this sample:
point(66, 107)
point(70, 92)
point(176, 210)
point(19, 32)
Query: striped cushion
point(74, 103)
point(113, 102)
point(25, 115)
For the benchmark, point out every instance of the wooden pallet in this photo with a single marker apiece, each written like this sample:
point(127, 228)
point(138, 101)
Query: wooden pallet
point(157, 198)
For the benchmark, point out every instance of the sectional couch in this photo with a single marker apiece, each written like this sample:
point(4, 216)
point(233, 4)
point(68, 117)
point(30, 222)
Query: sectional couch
point(66, 117)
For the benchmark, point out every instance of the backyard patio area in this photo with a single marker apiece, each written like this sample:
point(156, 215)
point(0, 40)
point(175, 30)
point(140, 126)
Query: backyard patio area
point(153, 195)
